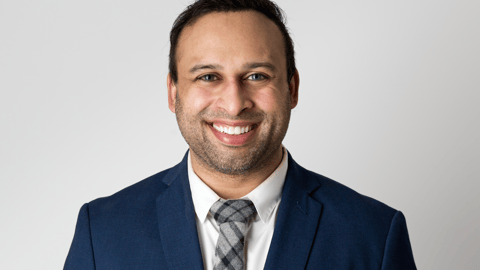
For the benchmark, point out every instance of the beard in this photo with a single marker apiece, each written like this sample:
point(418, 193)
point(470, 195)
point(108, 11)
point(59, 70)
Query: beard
point(234, 160)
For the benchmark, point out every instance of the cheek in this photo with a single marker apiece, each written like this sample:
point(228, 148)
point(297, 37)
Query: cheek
point(203, 98)
point(270, 100)
point(198, 100)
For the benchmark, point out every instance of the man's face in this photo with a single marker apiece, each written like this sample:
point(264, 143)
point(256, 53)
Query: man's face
point(232, 99)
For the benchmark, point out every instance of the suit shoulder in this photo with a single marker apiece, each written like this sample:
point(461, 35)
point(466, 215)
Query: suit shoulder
point(132, 197)
point(354, 226)
point(345, 201)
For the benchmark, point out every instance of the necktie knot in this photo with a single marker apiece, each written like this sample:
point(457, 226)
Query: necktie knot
point(232, 211)
point(232, 217)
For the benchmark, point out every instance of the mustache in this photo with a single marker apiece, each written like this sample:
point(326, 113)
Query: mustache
point(244, 115)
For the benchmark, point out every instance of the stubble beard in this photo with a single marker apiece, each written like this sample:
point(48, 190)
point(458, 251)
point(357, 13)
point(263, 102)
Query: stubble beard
point(251, 161)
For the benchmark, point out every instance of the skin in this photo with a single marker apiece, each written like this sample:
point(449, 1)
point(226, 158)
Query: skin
point(232, 70)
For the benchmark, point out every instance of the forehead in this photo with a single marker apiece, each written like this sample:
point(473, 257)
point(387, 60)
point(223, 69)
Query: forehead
point(231, 37)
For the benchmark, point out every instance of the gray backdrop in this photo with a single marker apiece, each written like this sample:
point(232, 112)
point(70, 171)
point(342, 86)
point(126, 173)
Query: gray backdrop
point(389, 105)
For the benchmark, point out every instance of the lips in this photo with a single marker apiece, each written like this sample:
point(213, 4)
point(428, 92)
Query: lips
point(233, 130)
point(237, 134)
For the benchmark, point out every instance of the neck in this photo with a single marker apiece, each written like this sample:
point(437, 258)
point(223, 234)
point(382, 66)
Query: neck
point(229, 186)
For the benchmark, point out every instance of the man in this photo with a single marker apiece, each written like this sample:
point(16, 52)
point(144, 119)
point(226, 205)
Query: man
point(237, 200)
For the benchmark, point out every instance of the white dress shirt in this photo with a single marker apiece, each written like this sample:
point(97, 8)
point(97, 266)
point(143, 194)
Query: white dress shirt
point(266, 198)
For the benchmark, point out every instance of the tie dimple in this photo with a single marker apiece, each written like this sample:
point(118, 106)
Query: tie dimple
point(232, 216)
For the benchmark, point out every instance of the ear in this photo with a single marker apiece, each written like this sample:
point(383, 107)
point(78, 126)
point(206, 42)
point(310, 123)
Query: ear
point(293, 88)
point(172, 93)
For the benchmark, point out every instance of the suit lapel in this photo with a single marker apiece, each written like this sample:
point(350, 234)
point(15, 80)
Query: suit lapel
point(297, 221)
point(176, 221)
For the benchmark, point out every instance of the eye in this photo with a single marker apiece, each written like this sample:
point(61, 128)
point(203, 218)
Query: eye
point(256, 77)
point(208, 78)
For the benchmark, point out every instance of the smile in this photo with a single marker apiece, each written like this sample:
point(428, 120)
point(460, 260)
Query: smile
point(237, 130)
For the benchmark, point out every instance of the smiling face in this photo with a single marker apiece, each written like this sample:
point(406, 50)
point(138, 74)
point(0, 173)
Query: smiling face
point(232, 98)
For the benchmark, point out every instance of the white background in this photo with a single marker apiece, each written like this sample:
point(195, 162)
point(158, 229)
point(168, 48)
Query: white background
point(389, 106)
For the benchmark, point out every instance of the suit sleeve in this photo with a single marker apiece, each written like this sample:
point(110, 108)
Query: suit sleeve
point(398, 252)
point(81, 255)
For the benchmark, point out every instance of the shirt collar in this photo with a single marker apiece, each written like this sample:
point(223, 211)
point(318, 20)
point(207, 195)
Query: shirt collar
point(265, 197)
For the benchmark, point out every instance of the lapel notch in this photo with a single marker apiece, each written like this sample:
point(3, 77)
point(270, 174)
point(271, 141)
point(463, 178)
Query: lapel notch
point(177, 223)
point(297, 221)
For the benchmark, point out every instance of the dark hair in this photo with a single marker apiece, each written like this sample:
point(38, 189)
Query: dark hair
point(202, 7)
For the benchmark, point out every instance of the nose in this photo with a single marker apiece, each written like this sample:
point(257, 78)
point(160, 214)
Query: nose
point(234, 98)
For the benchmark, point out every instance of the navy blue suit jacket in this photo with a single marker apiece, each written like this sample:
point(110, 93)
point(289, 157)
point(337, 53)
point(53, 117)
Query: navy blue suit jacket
point(321, 224)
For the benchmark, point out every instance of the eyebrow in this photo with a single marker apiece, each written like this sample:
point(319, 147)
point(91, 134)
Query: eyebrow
point(253, 65)
point(200, 67)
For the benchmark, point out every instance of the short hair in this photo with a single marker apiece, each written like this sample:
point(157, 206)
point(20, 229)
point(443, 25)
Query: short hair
point(203, 7)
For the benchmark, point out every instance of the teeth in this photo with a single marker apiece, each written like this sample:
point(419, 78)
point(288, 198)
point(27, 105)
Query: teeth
point(233, 130)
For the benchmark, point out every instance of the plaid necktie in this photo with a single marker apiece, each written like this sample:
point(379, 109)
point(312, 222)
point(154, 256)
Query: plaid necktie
point(232, 216)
